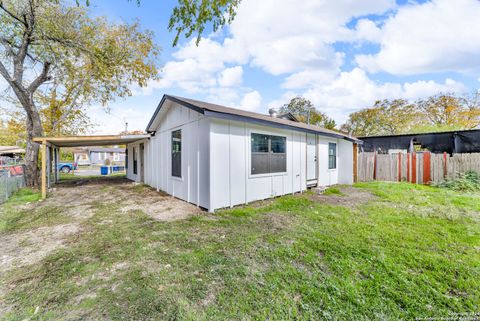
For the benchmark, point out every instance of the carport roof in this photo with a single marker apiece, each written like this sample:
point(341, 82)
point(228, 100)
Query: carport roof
point(102, 140)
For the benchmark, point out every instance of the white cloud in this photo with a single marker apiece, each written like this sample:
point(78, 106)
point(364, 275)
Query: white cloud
point(367, 30)
point(231, 76)
point(285, 37)
point(422, 88)
point(354, 90)
point(279, 38)
point(436, 36)
point(251, 101)
point(114, 121)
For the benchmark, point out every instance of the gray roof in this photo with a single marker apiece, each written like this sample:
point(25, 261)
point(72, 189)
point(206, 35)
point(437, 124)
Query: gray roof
point(219, 111)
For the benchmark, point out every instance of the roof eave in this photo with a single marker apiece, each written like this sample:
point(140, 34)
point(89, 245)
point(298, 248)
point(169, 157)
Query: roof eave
point(277, 125)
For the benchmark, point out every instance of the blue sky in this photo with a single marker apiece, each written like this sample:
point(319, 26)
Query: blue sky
point(342, 55)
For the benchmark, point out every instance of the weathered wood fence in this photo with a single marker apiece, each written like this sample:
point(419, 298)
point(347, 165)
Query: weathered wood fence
point(420, 168)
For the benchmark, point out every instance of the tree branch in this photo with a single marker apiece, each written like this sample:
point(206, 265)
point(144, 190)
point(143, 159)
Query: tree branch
point(4, 73)
point(14, 17)
point(43, 77)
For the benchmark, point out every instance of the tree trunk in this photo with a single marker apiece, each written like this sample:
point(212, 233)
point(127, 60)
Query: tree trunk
point(34, 129)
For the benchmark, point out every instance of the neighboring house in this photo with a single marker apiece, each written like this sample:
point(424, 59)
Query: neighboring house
point(452, 142)
point(12, 151)
point(215, 157)
point(98, 155)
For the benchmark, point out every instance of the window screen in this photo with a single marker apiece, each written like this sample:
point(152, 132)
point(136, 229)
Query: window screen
point(177, 153)
point(332, 155)
point(268, 154)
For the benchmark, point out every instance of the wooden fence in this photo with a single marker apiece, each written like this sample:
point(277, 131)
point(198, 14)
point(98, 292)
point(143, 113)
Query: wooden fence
point(420, 168)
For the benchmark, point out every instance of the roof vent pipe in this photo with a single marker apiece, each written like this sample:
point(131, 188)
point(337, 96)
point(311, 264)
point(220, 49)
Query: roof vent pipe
point(272, 112)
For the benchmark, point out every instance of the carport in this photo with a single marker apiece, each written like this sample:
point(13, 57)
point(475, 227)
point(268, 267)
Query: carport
point(50, 151)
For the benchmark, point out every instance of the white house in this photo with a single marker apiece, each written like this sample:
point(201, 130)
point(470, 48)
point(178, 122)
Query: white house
point(215, 157)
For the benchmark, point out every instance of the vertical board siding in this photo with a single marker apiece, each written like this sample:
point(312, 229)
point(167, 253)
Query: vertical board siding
point(418, 168)
point(232, 183)
point(193, 185)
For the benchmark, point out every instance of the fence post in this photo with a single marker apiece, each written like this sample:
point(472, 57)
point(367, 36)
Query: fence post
point(6, 186)
point(355, 163)
point(445, 168)
point(399, 167)
point(426, 168)
point(414, 168)
point(408, 167)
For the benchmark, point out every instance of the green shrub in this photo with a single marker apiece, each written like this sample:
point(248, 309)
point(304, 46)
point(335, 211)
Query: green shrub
point(468, 181)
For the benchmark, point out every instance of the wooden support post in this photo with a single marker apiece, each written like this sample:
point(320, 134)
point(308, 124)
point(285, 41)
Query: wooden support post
point(355, 163)
point(56, 165)
point(426, 168)
point(49, 166)
point(44, 169)
point(374, 165)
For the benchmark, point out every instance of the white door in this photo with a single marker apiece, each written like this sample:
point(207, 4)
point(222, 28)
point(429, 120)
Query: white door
point(311, 158)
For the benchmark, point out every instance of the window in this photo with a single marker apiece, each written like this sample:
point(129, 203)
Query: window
point(332, 155)
point(177, 153)
point(134, 153)
point(269, 154)
point(126, 158)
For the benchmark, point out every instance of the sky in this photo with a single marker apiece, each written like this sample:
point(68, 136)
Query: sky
point(342, 55)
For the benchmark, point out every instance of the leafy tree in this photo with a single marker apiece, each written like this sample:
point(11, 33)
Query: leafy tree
point(7, 136)
point(436, 113)
point(364, 122)
point(85, 59)
point(385, 117)
point(304, 110)
point(447, 111)
point(191, 16)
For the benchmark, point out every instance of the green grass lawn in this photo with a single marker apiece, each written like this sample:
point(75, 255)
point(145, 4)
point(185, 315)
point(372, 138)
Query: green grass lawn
point(410, 251)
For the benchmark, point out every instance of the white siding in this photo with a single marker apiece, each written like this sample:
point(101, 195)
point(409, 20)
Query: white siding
point(216, 160)
point(193, 185)
point(343, 174)
point(231, 179)
point(345, 162)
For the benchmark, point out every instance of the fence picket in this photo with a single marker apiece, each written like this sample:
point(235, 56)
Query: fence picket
point(411, 167)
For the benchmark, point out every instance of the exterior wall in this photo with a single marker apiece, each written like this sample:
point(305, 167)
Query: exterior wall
point(193, 185)
point(345, 162)
point(216, 161)
point(95, 158)
point(343, 174)
point(98, 158)
point(82, 158)
point(231, 180)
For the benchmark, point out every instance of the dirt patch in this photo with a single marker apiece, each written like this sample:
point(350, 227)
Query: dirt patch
point(26, 248)
point(79, 196)
point(350, 197)
point(166, 208)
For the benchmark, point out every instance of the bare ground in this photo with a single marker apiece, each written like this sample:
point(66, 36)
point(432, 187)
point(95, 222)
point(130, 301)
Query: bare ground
point(78, 200)
point(349, 197)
